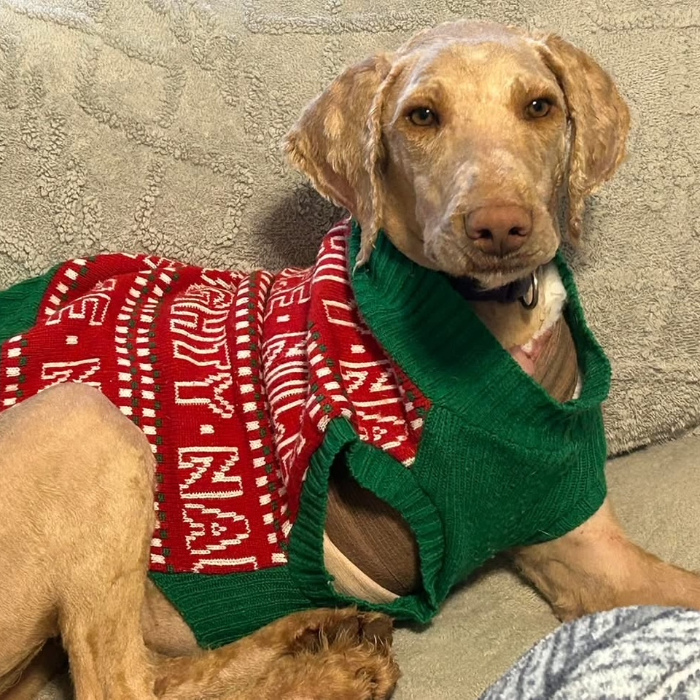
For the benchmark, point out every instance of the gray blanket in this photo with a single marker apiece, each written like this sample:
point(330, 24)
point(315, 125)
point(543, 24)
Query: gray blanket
point(627, 654)
point(153, 125)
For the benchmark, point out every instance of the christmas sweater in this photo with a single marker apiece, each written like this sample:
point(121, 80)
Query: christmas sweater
point(249, 386)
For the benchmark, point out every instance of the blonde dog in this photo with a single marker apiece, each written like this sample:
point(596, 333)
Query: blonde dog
point(451, 154)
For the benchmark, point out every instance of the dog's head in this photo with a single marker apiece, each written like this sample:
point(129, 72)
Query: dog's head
point(458, 145)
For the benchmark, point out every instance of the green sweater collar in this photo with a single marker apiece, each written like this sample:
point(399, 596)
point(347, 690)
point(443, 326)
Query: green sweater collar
point(436, 337)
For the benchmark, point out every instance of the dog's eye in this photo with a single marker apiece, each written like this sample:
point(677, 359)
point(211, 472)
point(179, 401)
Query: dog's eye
point(423, 116)
point(538, 108)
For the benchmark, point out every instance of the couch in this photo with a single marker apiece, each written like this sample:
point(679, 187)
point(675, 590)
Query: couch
point(154, 125)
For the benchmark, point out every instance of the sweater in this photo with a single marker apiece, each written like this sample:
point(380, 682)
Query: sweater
point(249, 386)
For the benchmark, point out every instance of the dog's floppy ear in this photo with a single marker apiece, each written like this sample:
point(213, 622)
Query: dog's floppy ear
point(599, 119)
point(337, 143)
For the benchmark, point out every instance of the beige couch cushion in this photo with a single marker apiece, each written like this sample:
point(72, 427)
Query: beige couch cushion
point(155, 125)
point(488, 624)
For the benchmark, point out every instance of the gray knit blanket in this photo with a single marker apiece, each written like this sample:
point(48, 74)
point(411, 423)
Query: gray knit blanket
point(641, 653)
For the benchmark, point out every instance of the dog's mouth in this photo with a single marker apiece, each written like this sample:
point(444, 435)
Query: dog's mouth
point(499, 273)
point(489, 272)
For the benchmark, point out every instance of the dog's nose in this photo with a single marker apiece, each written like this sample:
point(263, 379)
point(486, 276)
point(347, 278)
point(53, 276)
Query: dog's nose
point(498, 230)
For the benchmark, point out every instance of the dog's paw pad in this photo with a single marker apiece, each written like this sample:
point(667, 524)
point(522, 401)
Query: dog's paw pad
point(341, 629)
point(376, 628)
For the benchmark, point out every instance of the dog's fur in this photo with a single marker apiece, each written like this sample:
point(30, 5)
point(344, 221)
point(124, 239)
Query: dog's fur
point(484, 156)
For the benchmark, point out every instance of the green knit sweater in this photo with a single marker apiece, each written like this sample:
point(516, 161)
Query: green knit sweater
point(499, 462)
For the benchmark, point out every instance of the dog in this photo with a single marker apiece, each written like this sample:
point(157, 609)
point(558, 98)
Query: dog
point(443, 299)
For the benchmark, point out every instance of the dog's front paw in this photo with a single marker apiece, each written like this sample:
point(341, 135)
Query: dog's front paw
point(334, 654)
point(363, 672)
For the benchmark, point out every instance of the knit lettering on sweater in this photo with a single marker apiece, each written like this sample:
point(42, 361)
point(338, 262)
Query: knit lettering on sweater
point(249, 387)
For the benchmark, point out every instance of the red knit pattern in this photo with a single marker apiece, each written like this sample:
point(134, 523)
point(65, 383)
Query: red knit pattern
point(232, 377)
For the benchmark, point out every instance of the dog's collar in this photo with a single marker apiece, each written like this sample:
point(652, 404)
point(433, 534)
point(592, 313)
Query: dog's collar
point(525, 290)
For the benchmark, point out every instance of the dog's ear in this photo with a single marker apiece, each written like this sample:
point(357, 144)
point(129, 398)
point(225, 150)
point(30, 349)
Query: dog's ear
point(599, 121)
point(337, 143)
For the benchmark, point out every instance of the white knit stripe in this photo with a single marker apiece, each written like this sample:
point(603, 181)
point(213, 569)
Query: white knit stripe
point(61, 284)
point(135, 402)
point(331, 267)
point(341, 227)
point(381, 402)
point(292, 387)
point(11, 368)
point(392, 444)
point(291, 367)
point(249, 332)
point(282, 445)
point(381, 418)
point(289, 406)
point(331, 278)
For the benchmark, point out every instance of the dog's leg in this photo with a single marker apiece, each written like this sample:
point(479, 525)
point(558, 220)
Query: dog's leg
point(101, 604)
point(101, 629)
point(76, 478)
point(315, 655)
point(596, 567)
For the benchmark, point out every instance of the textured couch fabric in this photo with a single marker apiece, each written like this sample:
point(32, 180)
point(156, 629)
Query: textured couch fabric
point(154, 125)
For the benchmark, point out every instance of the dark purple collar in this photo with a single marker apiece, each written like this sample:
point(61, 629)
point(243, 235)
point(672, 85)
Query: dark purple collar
point(525, 290)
